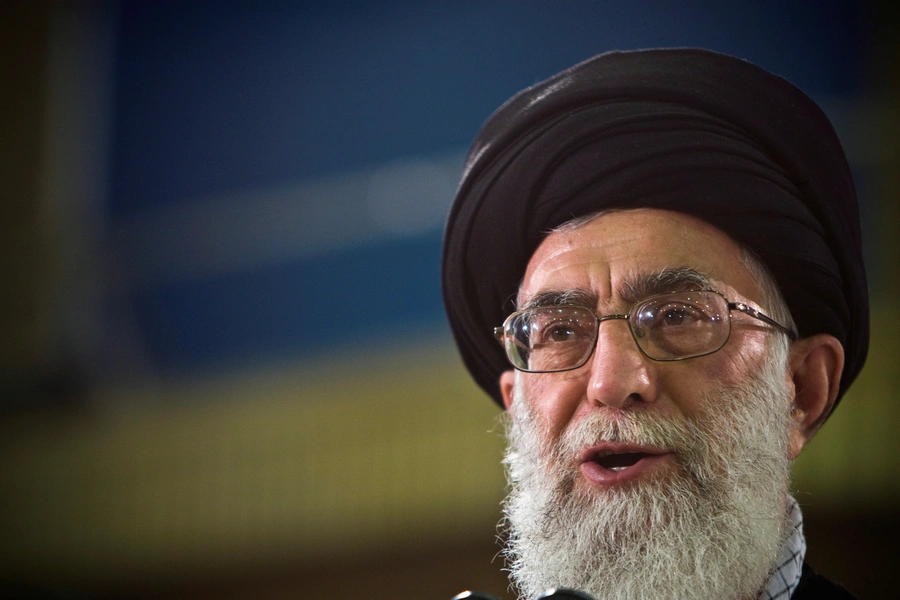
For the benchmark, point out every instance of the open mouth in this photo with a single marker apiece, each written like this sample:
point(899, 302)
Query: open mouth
point(619, 461)
point(614, 463)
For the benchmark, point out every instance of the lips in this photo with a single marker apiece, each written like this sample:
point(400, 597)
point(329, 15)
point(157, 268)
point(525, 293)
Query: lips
point(611, 463)
point(619, 462)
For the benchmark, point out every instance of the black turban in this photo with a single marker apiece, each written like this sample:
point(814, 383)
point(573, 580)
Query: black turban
point(686, 130)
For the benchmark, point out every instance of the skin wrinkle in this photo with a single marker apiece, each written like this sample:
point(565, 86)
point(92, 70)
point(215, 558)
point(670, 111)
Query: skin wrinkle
point(770, 294)
point(576, 297)
point(632, 289)
point(680, 279)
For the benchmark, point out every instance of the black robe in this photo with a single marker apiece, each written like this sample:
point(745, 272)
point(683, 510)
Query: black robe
point(813, 586)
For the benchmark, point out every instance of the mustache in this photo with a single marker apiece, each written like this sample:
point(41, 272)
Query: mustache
point(682, 435)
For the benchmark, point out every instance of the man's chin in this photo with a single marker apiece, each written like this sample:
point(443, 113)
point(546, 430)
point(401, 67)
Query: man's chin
point(648, 538)
point(705, 521)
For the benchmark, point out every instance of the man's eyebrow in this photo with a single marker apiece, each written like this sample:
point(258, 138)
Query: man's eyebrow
point(576, 297)
point(632, 289)
point(679, 279)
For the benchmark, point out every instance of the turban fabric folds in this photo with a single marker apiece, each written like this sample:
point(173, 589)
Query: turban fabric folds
point(686, 130)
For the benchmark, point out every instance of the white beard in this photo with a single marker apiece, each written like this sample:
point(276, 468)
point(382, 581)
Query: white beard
point(712, 530)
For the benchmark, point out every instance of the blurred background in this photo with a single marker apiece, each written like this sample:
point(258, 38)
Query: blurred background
point(224, 365)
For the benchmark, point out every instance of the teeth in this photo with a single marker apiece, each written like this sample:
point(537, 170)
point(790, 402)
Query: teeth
point(617, 469)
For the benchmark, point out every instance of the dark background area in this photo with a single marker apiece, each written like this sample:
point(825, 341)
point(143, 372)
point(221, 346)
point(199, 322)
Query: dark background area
point(225, 370)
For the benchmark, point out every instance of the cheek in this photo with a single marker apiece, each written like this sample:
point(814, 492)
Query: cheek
point(744, 358)
point(554, 398)
point(690, 383)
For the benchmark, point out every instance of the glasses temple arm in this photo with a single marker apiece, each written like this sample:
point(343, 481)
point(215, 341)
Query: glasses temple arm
point(749, 310)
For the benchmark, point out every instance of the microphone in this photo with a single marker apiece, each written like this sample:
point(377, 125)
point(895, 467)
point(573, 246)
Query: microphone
point(552, 594)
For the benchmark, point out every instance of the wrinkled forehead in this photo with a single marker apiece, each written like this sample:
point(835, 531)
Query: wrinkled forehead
point(627, 255)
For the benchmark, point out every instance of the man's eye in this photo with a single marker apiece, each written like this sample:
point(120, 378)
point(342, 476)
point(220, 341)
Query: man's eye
point(675, 316)
point(560, 333)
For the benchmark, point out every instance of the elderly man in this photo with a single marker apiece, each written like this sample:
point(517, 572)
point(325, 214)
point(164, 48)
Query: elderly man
point(666, 246)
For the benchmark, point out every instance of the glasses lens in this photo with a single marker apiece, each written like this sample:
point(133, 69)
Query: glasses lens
point(681, 325)
point(553, 338)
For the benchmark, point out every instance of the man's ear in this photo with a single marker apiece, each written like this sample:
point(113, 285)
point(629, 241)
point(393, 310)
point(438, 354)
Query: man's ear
point(815, 364)
point(507, 383)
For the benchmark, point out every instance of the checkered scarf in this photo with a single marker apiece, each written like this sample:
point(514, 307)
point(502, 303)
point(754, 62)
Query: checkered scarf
point(786, 577)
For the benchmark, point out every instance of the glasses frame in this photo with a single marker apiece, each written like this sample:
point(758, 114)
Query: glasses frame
point(500, 333)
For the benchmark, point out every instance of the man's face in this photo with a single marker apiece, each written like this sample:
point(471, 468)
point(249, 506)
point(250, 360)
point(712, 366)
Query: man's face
point(607, 259)
point(632, 476)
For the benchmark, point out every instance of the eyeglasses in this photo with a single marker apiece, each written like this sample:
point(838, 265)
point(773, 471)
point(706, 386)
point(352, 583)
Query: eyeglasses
point(666, 327)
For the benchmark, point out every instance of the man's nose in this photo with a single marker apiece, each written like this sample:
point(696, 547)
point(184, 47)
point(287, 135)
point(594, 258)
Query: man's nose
point(620, 373)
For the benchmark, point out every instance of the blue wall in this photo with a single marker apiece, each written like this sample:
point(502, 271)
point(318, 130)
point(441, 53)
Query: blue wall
point(217, 97)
